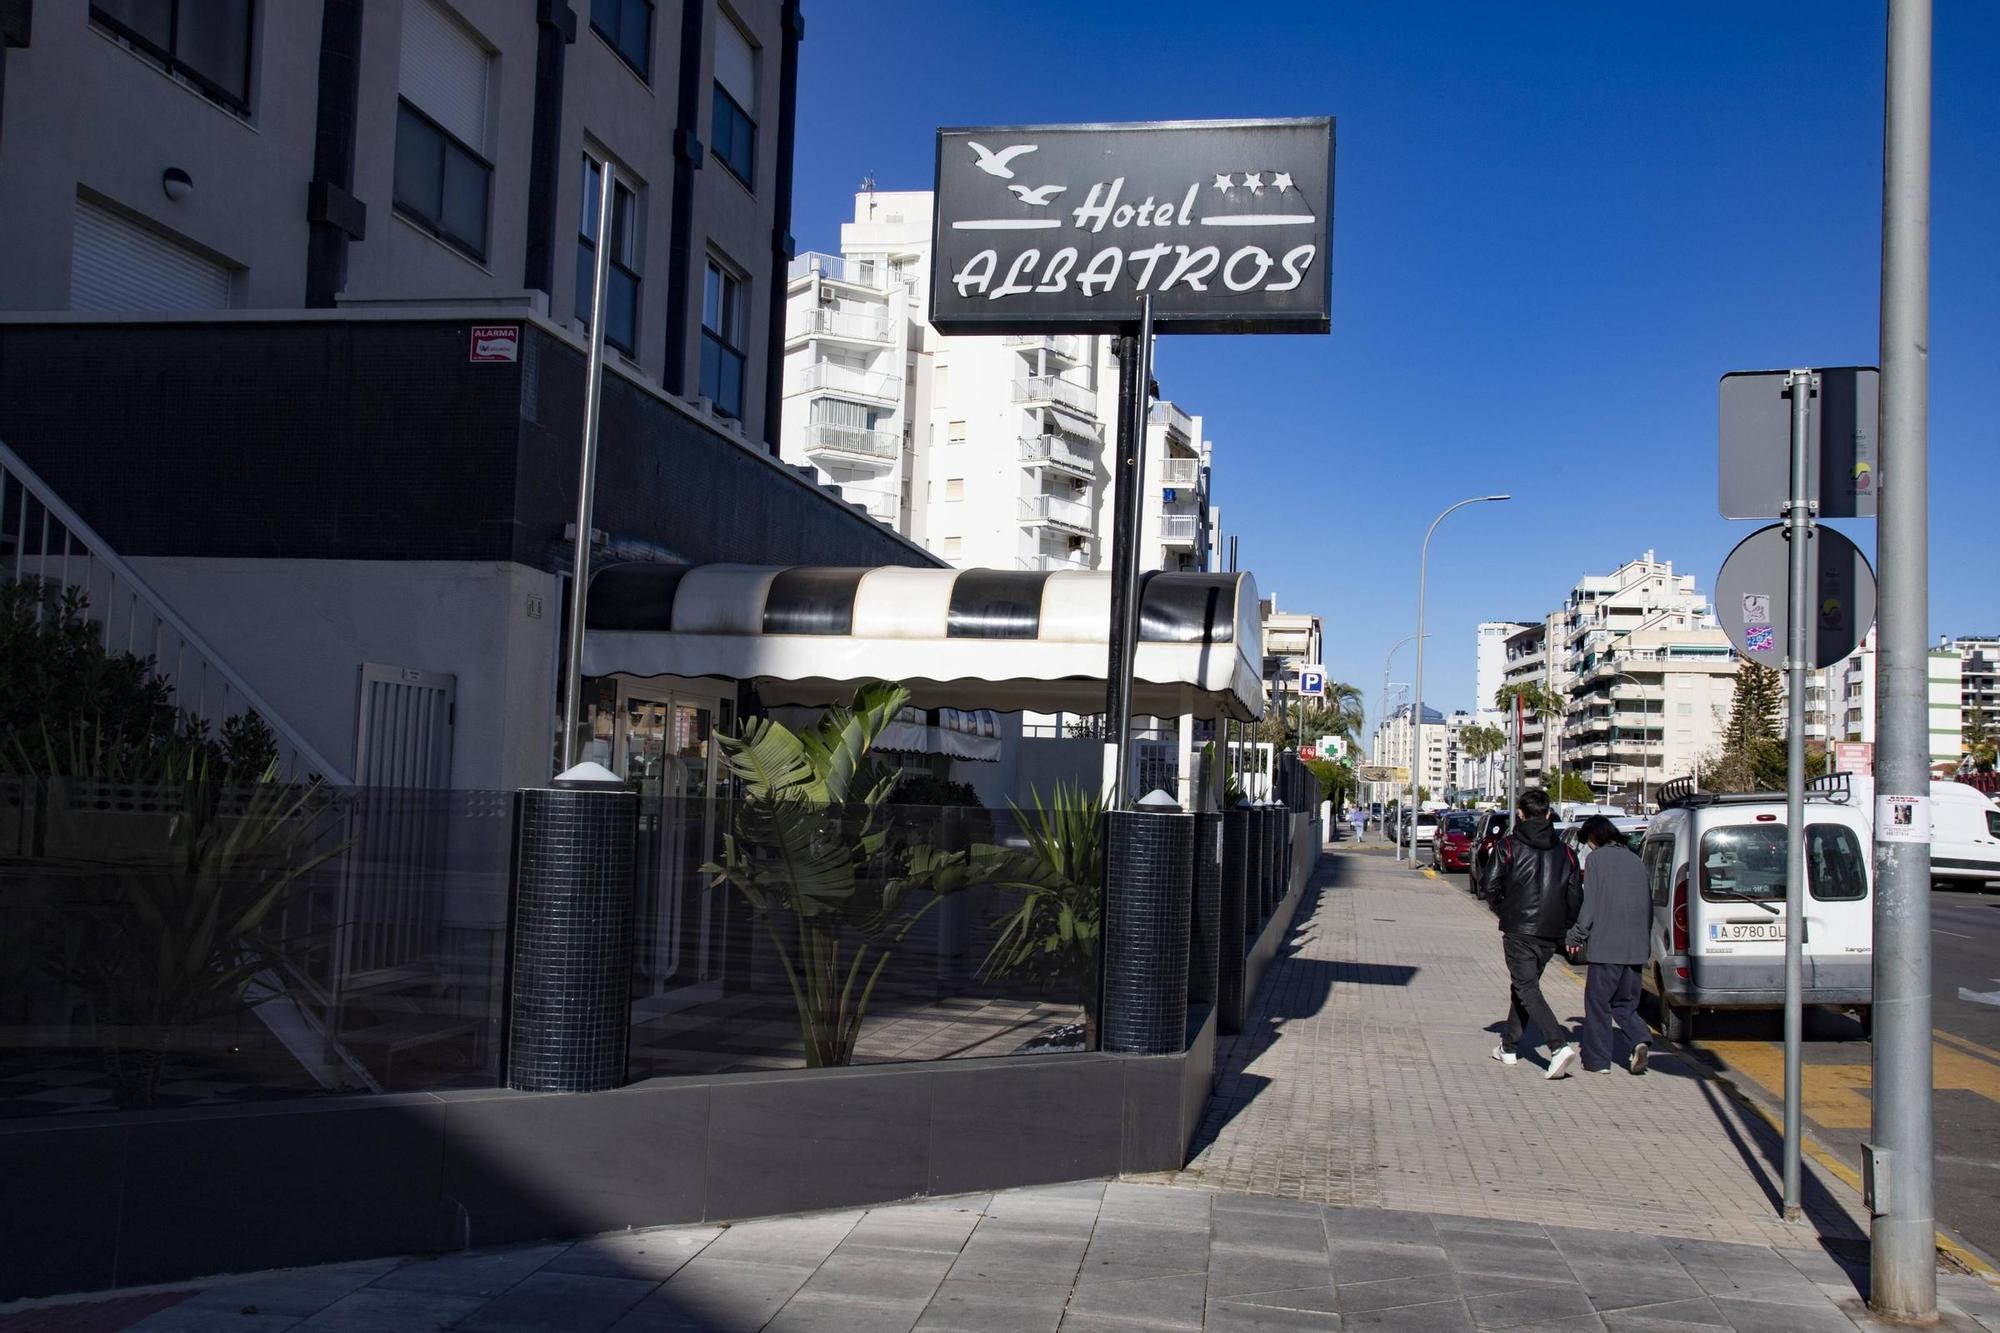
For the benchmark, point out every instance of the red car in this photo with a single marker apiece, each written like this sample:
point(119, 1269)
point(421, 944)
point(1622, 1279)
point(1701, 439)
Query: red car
point(1492, 828)
point(1457, 835)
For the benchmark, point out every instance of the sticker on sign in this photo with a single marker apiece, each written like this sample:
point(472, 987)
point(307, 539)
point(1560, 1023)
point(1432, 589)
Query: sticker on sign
point(496, 342)
point(1760, 638)
point(1902, 818)
point(1756, 608)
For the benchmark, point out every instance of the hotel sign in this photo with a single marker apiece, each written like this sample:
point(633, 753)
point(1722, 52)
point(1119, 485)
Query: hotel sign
point(1049, 228)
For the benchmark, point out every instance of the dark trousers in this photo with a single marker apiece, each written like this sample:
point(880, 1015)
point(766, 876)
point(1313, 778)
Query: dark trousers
point(1526, 956)
point(1611, 996)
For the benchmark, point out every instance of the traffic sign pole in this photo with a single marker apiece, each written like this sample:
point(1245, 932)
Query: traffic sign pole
point(1798, 653)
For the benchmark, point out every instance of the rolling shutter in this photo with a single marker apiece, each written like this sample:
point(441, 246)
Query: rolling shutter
point(736, 65)
point(117, 264)
point(444, 72)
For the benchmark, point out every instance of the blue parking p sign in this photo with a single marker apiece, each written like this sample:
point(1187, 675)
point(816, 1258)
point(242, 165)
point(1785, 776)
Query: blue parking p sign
point(1312, 682)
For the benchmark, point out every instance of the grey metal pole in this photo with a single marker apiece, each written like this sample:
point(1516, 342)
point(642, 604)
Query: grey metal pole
point(1417, 696)
point(1902, 1237)
point(1137, 390)
point(1798, 566)
point(586, 479)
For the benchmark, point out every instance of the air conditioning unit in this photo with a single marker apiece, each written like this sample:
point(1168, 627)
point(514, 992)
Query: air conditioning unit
point(827, 296)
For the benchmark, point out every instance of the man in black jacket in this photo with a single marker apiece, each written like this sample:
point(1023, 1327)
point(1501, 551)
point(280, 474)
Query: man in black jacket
point(1533, 881)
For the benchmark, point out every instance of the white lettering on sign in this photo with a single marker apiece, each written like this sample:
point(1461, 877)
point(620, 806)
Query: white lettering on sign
point(496, 342)
point(1193, 267)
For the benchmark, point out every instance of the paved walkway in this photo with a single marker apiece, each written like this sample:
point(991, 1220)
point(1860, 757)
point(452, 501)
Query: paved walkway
point(1487, 1198)
point(1363, 1077)
point(1089, 1258)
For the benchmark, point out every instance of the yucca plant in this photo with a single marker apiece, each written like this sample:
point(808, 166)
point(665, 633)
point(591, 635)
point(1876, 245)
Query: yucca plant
point(811, 847)
point(1052, 936)
point(165, 946)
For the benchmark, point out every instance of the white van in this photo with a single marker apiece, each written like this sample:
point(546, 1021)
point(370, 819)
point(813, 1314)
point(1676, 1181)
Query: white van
point(1716, 864)
point(1965, 831)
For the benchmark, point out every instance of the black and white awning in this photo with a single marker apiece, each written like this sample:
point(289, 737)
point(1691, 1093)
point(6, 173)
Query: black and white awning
point(958, 638)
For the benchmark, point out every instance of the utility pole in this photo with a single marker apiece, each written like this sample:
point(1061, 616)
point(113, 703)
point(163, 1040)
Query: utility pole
point(1902, 1235)
point(1798, 532)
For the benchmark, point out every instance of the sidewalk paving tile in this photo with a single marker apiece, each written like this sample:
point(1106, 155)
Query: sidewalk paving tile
point(559, 1303)
point(995, 1307)
point(375, 1310)
point(657, 1254)
point(1153, 1303)
point(482, 1273)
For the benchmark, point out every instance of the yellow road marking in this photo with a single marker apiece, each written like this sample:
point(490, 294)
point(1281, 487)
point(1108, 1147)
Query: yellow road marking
point(1836, 1096)
point(1967, 1045)
point(1429, 873)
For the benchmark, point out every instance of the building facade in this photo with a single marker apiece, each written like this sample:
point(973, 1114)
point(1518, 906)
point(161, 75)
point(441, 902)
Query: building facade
point(989, 451)
point(1392, 745)
point(451, 154)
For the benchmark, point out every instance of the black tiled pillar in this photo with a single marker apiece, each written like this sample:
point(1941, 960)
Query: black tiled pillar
point(570, 1007)
point(1205, 936)
point(1236, 925)
point(1148, 882)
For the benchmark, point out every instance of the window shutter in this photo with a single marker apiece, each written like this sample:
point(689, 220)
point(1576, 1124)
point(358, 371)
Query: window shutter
point(117, 265)
point(444, 72)
point(736, 65)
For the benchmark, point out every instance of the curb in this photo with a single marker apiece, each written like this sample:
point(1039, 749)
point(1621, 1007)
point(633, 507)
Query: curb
point(1957, 1251)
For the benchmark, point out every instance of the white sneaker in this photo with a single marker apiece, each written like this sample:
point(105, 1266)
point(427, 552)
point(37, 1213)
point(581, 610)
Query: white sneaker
point(1560, 1062)
point(1640, 1055)
point(1505, 1056)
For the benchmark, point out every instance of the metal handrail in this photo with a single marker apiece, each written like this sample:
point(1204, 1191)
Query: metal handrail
point(191, 654)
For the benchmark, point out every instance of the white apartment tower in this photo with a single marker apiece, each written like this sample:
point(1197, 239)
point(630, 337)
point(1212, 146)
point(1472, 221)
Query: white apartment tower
point(990, 451)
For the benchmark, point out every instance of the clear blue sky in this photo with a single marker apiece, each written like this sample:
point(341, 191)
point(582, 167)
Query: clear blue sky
point(1556, 225)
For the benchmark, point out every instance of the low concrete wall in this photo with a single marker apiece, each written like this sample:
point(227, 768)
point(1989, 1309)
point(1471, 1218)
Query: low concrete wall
point(96, 1201)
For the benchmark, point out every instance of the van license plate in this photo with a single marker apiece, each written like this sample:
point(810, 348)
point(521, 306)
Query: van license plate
point(1748, 932)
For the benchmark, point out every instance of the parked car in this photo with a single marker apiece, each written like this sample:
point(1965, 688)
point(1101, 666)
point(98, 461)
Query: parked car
point(1965, 831)
point(1716, 865)
point(1427, 824)
point(1452, 848)
point(1492, 829)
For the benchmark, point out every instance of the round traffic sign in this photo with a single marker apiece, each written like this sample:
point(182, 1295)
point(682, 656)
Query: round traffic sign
point(1753, 596)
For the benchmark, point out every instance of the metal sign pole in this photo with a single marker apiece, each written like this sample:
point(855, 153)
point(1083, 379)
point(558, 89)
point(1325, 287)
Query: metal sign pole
point(1903, 1271)
point(1135, 361)
point(1798, 650)
point(586, 480)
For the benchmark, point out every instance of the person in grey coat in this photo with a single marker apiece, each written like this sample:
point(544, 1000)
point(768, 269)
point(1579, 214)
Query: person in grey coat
point(1610, 935)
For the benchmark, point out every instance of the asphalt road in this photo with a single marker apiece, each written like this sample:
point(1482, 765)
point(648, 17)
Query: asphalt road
point(1965, 1051)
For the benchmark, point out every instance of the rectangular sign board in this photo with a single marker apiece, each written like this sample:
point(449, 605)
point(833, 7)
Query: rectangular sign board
point(1382, 773)
point(1755, 462)
point(1061, 228)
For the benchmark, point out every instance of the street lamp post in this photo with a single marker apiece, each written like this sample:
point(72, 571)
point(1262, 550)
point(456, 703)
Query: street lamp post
point(1382, 717)
point(1417, 699)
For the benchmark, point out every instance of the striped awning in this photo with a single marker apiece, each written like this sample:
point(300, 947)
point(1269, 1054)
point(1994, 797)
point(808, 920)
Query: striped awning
point(958, 638)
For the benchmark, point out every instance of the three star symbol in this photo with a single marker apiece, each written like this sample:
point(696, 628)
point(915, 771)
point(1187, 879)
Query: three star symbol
point(1253, 181)
point(1223, 182)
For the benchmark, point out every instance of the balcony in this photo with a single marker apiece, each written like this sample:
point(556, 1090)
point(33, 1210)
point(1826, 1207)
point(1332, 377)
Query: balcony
point(844, 380)
point(1071, 347)
point(1060, 393)
point(1056, 511)
point(1046, 562)
point(1176, 421)
point(1179, 529)
point(851, 323)
point(1060, 453)
point(875, 446)
point(871, 274)
point(882, 506)
point(1180, 472)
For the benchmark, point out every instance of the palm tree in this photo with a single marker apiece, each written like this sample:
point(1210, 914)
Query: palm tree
point(1337, 713)
point(1539, 702)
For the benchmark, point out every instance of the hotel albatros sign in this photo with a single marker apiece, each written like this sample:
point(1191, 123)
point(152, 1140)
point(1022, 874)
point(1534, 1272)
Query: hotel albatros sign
point(1043, 228)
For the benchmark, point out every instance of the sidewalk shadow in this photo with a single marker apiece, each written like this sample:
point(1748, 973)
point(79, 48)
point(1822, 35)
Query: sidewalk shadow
point(1762, 1149)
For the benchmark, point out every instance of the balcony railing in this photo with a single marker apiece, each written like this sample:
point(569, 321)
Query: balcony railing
point(1180, 472)
point(1059, 392)
point(881, 505)
point(1062, 452)
point(870, 273)
point(1056, 509)
point(1179, 529)
point(837, 321)
point(844, 380)
point(1072, 347)
point(1045, 561)
point(853, 441)
point(1174, 419)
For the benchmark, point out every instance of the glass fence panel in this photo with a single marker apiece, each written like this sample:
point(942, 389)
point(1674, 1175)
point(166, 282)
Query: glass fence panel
point(820, 936)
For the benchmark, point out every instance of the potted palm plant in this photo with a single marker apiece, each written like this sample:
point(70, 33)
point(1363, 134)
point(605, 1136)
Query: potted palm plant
point(1051, 936)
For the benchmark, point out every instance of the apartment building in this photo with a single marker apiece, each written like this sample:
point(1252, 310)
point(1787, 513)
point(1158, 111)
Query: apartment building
point(1293, 640)
point(1490, 664)
point(989, 451)
point(1527, 663)
point(1392, 745)
point(336, 254)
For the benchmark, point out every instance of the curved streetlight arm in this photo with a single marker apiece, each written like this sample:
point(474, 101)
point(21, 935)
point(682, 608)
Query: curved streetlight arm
point(1417, 695)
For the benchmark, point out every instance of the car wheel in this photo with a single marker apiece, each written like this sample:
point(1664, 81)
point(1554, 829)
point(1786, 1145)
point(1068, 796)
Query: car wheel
point(1676, 1024)
point(1866, 1013)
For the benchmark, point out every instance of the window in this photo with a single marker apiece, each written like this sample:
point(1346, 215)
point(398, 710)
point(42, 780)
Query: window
point(1748, 861)
point(206, 42)
point(1684, 710)
point(734, 132)
point(954, 488)
point(1993, 823)
point(723, 333)
point(627, 25)
point(621, 288)
point(443, 180)
point(954, 432)
point(952, 547)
